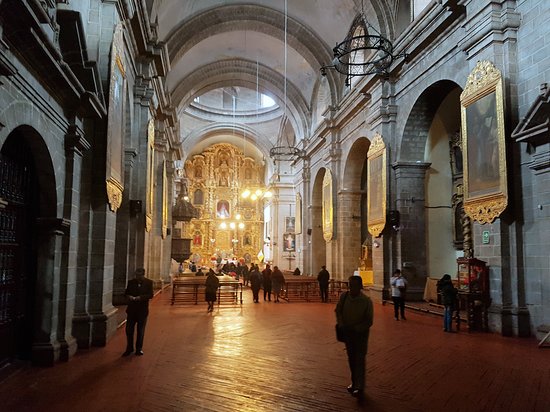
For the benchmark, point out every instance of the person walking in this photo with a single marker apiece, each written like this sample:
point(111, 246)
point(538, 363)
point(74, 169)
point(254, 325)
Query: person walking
point(138, 293)
point(266, 276)
point(354, 314)
point(323, 279)
point(448, 298)
point(211, 289)
point(277, 281)
point(255, 282)
point(398, 290)
point(246, 275)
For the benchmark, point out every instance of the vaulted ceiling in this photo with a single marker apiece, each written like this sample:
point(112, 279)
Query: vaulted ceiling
point(217, 44)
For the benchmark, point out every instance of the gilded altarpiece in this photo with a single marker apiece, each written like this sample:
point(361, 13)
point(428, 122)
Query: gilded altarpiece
point(376, 190)
point(229, 225)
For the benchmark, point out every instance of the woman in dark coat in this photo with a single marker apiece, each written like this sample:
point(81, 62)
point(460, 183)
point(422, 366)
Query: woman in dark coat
point(448, 297)
point(211, 290)
point(255, 282)
point(277, 282)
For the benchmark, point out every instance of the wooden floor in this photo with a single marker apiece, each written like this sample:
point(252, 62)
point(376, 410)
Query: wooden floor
point(284, 357)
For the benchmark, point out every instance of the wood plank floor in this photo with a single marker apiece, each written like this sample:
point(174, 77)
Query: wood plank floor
point(284, 357)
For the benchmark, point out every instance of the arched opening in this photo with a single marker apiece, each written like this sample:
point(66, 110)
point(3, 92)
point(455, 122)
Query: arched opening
point(429, 212)
point(443, 188)
point(28, 189)
point(315, 233)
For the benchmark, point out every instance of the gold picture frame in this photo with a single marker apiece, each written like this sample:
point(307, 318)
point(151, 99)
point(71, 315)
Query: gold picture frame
point(149, 203)
point(377, 186)
point(328, 207)
point(115, 120)
point(298, 213)
point(484, 145)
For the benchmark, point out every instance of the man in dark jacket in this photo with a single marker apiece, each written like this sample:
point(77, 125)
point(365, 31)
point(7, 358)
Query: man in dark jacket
point(138, 292)
point(354, 313)
point(323, 278)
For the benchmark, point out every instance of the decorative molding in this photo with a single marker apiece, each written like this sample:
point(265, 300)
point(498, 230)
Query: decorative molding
point(114, 193)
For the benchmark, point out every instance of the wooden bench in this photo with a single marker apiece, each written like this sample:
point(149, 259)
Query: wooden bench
point(189, 290)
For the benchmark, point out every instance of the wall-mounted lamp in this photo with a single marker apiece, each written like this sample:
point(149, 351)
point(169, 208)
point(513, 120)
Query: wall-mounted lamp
point(376, 244)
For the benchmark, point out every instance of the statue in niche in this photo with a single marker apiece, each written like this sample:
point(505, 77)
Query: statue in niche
point(224, 174)
point(248, 173)
point(222, 210)
point(198, 172)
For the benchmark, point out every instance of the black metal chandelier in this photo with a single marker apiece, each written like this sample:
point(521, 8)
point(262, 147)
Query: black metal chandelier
point(362, 53)
point(285, 153)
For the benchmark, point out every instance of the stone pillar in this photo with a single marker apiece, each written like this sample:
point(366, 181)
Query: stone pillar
point(45, 347)
point(124, 249)
point(306, 218)
point(411, 236)
point(349, 230)
point(75, 145)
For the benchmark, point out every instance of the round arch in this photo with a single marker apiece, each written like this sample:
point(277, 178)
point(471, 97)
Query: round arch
point(318, 245)
point(239, 72)
point(27, 172)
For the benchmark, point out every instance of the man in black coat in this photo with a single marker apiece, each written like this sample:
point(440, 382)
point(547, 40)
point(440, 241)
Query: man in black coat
point(138, 293)
point(323, 278)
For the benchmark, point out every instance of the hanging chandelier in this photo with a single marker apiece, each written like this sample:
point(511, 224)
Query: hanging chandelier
point(285, 152)
point(362, 52)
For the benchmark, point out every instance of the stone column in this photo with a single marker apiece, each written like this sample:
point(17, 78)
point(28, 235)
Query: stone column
point(75, 145)
point(306, 218)
point(349, 230)
point(124, 248)
point(410, 245)
point(45, 347)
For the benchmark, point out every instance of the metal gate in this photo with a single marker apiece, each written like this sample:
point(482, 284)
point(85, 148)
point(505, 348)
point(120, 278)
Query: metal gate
point(14, 186)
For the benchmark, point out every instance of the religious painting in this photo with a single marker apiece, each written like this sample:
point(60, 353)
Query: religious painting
point(298, 228)
point(289, 242)
point(115, 130)
point(222, 209)
point(483, 140)
point(197, 239)
point(198, 197)
point(328, 211)
point(149, 201)
point(247, 240)
point(290, 224)
point(376, 190)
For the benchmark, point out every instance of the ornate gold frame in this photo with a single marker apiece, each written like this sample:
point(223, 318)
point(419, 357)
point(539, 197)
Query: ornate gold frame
point(484, 145)
point(328, 206)
point(114, 173)
point(377, 184)
point(149, 201)
point(298, 222)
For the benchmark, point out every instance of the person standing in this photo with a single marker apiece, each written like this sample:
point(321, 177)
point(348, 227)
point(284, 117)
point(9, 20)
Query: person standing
point(211, 289)
point(255, 282)
point(448, 298)
point(354, 313)
point(277, 281)
point(398, 289)
point(138, 293)
point(266, 276)
point(323, 278)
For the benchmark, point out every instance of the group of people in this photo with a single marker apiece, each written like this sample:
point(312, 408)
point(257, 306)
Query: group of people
point(354, 309)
